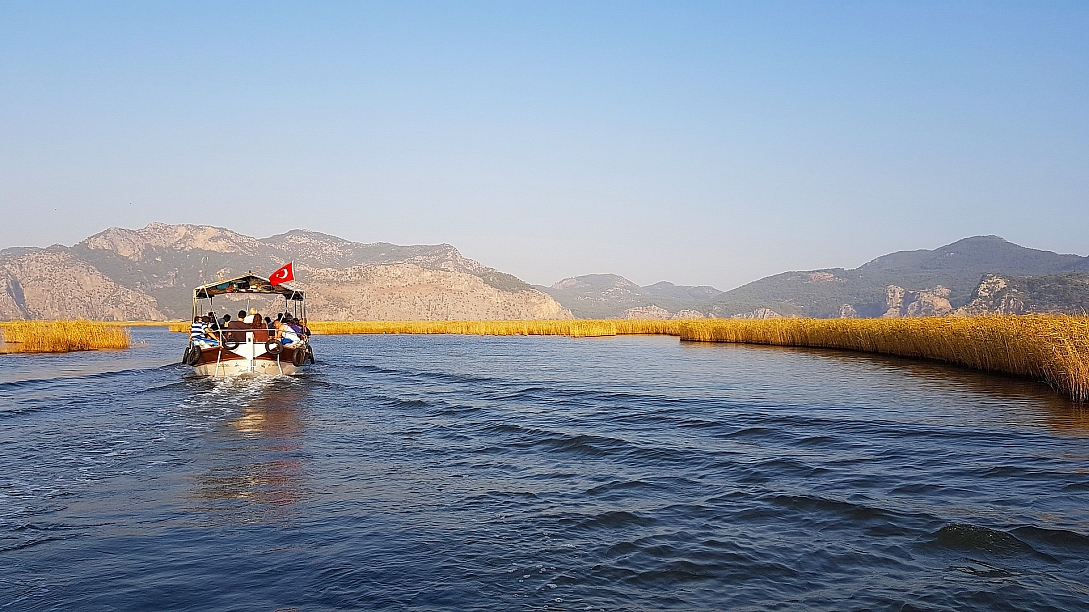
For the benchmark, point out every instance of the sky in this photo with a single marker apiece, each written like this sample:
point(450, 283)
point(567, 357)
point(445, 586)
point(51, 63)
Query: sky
point(699, 143)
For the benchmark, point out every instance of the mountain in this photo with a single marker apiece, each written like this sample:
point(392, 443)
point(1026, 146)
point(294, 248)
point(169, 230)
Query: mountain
point(608, 296)
point(906, 283)
point(53, 284)
point(149, 273)
point(953, 271)
point(1054, 293)
point(405, 291)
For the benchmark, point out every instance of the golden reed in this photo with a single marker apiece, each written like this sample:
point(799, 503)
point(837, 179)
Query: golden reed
point(179, 326)
point(1050, 348)
point(568, 327)
point(61, 336)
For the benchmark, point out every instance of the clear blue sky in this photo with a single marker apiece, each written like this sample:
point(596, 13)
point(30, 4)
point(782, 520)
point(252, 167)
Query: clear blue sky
point(702, 143)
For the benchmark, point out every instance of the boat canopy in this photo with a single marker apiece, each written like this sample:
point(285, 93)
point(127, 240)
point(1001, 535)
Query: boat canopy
point(245, 284)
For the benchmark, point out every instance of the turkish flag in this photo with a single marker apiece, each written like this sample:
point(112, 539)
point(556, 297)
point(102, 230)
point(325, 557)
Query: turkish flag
point(282, 275)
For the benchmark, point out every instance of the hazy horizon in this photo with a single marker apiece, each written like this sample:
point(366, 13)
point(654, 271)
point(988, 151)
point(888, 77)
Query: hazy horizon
point(703, 144)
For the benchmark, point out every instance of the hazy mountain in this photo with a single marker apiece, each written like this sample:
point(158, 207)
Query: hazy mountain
point(159, 265)
point(608, 296)
point(905, 283)
point(956, 267)
point(149, 273)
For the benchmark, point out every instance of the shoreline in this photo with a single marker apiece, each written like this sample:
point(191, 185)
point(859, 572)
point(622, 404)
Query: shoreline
point(1053, 349)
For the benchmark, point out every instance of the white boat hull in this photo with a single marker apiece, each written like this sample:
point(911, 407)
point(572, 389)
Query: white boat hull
point(247, 359)
point(245, 367)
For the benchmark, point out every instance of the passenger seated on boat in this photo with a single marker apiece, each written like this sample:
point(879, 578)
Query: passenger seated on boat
point(300, 328)
point(213, 328)
point(260, 331)
point(285, 333)
point(235, 324)
point(252, 318)
point(198, 333)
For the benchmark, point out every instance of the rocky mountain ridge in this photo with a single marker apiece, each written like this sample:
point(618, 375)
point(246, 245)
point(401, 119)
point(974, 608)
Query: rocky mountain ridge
point(53, 284)
point(149, 273)
point(923, 282)
point(1054, 293)
point(906, 283)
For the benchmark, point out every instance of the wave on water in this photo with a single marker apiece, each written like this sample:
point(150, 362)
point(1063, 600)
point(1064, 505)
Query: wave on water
point(1047, 544)
point(71, 391)
point(472, 474)
point(75, 377)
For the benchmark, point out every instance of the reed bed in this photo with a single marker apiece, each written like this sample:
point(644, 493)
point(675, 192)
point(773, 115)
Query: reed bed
point(566, 327)
point(60, 336)
point(1050, 348)
point(179, 326)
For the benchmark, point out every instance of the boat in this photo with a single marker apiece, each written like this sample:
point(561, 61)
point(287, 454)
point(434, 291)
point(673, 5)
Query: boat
point(246, 351)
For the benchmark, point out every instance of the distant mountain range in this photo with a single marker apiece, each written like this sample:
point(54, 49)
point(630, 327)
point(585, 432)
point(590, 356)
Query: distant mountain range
point(958, 267)
point(905, 283)
point(149, 273)
point(608, 296)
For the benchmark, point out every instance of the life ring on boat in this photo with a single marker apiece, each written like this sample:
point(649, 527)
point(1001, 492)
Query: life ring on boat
point(192, 357)
point(230, 343)
point(299, 358)
point(273, 346)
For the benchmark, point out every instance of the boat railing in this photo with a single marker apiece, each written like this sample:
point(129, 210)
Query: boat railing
point(258, 335)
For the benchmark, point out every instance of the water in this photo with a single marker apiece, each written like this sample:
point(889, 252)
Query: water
point(448, 473)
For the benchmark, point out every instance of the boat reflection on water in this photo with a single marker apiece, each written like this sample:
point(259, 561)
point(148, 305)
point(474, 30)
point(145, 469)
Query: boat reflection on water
point(255, 472)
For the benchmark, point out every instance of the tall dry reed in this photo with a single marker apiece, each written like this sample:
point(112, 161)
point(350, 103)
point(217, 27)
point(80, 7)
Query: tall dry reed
point(563, 327)
point(61, 336)
point(1051, 348)
point(179, 326)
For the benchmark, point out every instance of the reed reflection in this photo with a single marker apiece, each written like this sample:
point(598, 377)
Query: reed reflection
point(256, 472)
point(1022, 401)
point(1018, 401)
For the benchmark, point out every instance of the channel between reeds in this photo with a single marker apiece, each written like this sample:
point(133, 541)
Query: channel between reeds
point(60, 336)
point(1050, 348)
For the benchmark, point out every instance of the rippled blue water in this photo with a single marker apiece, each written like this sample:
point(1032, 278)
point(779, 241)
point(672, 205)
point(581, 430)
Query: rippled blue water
point(449, 472)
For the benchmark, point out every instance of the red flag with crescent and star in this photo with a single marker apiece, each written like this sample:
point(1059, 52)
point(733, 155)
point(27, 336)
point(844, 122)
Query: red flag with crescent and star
point(282, 275)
